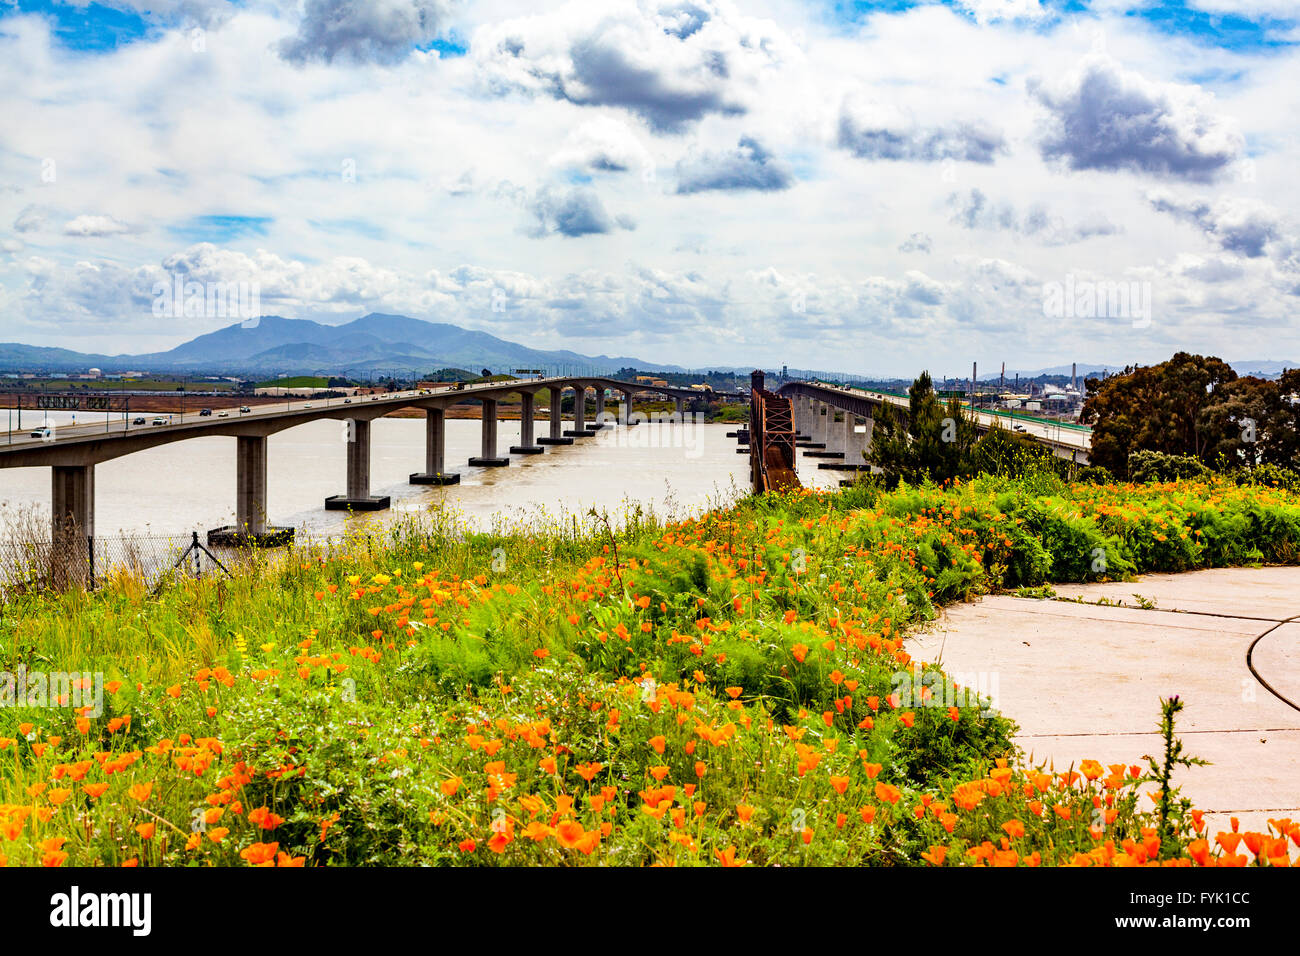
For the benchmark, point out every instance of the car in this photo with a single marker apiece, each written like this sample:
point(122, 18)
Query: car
point(205, 412)
point(308, 405)
point(159, 421)
point(43, 433)
point(244, 409)
point(138, 421)
point(347, 401)
point(223, 414)
point(1018, 428)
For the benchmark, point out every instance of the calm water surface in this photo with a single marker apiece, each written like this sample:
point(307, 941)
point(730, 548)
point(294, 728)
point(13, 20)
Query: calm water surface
point(173, 489)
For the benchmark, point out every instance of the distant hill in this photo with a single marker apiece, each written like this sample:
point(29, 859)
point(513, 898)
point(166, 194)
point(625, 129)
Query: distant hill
point(375, 343)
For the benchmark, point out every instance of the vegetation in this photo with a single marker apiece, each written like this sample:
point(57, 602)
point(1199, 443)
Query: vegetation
point(296, 381)
point(728, 689)
point(1194, 407)
point(937, 442)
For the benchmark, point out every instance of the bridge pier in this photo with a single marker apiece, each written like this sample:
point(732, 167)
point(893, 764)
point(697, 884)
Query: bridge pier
point(816, 428)
point(358, 497)
point(488, 452)
point(250, 484)
point(580, 429)
point(72, 500)
point(625, 410)
point(834, 436)
point(435, 451)
point(527, 425)
point(250, 527)
point(557, 425)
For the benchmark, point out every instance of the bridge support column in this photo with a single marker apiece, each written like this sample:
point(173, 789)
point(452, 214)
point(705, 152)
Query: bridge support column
point(580, 429)
point(435, 451)
point(250, 527)
point(526, 427)
point(625, 410)
point(833, 440)
point(488, 452)
point(557, 425)
point(814, 426)
point(72, 500)
point(358, 497)
point(680, 410)
point(250, 484)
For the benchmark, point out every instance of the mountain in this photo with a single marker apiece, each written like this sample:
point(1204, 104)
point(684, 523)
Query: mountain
point(374, 343)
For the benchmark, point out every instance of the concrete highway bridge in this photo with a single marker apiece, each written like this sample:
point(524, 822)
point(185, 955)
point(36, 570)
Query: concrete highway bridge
point(828, 421)
point(831, 416)
point(836, 422)
point(71, 453)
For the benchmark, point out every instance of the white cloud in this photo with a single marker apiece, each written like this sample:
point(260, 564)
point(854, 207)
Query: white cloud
point(95, 226)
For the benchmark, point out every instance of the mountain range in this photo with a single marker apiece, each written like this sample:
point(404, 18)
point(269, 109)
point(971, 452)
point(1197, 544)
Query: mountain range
point(375, 343)
point(379, 344)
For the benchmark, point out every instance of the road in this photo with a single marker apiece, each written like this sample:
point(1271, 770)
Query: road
point(1060, 434)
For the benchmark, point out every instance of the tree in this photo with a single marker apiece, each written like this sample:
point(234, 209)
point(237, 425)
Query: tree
point(930, 442)
point(1247, 423)
point(1156, 408)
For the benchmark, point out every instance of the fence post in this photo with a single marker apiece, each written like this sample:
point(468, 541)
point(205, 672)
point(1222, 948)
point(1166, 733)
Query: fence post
point(90, 563)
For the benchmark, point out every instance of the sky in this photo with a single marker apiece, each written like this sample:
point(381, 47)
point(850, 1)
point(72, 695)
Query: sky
point(867, 187)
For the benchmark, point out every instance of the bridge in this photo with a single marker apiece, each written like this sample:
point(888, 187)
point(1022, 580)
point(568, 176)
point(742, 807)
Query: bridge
point(71, 453)
point(835, 421)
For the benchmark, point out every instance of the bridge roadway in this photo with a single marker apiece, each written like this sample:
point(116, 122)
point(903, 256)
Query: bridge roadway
point(815, 408)
point(71, 452)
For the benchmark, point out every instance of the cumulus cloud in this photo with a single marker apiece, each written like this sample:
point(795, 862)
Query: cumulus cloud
point(748, 166)
point(602, 144)
point(670, 63)
point(871, 130)
point(89, 226)
point(363, 31)
point(1107, 118)
point(1237, 225)
point(974, 210)
point(577, 212)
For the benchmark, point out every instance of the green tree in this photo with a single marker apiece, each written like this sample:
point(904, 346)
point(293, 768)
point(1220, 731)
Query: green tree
point(931, 441)
point(1156, 408)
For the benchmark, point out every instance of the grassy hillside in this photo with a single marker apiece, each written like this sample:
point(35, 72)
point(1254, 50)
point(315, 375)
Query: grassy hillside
point(723, 690)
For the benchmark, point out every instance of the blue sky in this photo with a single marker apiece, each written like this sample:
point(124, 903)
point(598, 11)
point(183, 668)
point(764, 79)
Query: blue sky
point(872, 186)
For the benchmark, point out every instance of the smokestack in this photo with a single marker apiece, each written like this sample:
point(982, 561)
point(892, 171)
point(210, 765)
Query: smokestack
point(973, 367)
point(1002, 379)
point(1017, 383)
point(1074, 374)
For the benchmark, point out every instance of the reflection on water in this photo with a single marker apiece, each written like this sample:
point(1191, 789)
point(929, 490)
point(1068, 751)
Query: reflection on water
point(674, 469)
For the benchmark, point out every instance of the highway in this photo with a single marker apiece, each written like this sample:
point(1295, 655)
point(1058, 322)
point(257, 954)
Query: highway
point(1061, 435)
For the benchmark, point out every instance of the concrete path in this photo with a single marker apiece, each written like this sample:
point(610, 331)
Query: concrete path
point(1084, 680)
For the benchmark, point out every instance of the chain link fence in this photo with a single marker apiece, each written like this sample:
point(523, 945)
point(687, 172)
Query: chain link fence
point(69, 561)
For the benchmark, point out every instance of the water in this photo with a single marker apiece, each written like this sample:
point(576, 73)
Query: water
point(674, 469)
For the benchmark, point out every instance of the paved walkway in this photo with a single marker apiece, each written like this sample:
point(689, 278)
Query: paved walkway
point(1084, 680)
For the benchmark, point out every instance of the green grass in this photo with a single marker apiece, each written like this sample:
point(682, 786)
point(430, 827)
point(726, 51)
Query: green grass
point(429, 695)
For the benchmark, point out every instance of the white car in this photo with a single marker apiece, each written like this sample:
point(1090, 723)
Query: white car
point(223, 414)
point(42, 433)
point(159, 421)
